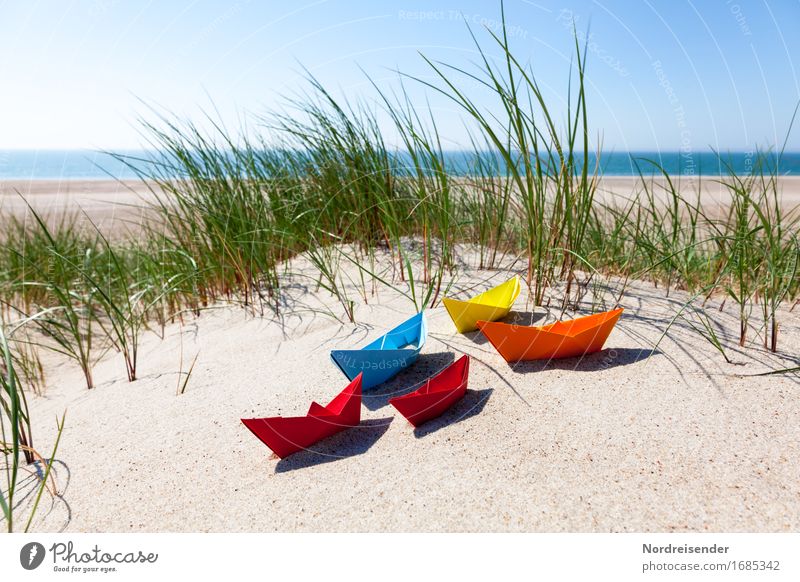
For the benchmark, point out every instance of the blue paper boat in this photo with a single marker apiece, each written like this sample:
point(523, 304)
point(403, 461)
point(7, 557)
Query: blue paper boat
point(387, 356)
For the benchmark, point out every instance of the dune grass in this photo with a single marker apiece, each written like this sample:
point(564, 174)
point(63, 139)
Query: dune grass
point(763, 243)
point(16, 440)
point(554, 185)
point(45, 288)
point(319, 181)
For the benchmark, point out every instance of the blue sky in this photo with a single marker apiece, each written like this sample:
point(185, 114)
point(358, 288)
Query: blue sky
point(662, 74)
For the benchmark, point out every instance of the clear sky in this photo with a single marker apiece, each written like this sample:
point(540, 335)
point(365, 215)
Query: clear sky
point(662, 73)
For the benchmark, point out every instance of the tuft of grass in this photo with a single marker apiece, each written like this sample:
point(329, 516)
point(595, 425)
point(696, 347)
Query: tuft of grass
point(759, 240)
point(52, 294)
point(16, 443)
point(550, 169)
point(214, 225)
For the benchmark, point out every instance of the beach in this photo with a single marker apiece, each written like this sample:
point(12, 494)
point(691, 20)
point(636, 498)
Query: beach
point(633, 438)
point(116, 206)
point(113, 206)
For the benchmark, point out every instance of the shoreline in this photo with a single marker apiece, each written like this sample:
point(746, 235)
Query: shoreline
point(98, 192)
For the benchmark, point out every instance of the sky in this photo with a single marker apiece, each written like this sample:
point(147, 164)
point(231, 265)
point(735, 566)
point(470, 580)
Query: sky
point(661, 75)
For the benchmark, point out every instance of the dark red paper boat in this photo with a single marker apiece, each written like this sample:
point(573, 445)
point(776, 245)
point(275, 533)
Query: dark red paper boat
point(438, 393)
point(291, 434)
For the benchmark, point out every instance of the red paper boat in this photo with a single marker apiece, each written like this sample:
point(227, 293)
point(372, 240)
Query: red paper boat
point(289, 435)
point(438, 393)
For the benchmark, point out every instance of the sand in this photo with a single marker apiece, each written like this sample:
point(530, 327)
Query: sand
point(623, 440)
point(710, 186)
point(116, 207)
point(113, 206)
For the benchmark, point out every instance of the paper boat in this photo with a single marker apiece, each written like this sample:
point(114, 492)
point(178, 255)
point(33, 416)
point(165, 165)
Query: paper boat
point(385, 357)
point(287, 435)
point(563, 339)
point(488, 306)
point(438, 393)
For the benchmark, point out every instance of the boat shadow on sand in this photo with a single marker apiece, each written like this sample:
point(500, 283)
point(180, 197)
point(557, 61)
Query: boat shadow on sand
point(348, 443)
point(603, 360)
point(470, 405)
point(408, 380)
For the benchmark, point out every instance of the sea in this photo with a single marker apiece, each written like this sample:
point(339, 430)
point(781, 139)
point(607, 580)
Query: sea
point(97, 165)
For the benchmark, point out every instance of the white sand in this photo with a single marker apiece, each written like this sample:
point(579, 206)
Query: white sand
point(618, 441)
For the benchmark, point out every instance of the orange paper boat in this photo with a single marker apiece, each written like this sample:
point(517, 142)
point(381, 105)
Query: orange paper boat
point(438, 393)
point(563, 339)
point(291, 434)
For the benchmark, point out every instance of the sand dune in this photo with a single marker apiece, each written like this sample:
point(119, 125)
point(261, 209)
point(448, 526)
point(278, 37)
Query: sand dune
point(623, 440)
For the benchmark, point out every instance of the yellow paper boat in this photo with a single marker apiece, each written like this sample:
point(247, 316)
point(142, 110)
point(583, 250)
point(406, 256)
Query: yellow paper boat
point(490, 305)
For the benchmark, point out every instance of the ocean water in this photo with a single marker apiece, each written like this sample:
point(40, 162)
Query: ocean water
point(93, 165)
point(63, 165)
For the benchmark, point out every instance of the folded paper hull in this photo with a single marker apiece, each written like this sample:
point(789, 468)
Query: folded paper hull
point(377, 366)
point(491, 305)
point(438, 394)
point(563, 339)
point(465, 315)
point(292, 434)
point(387, 356)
